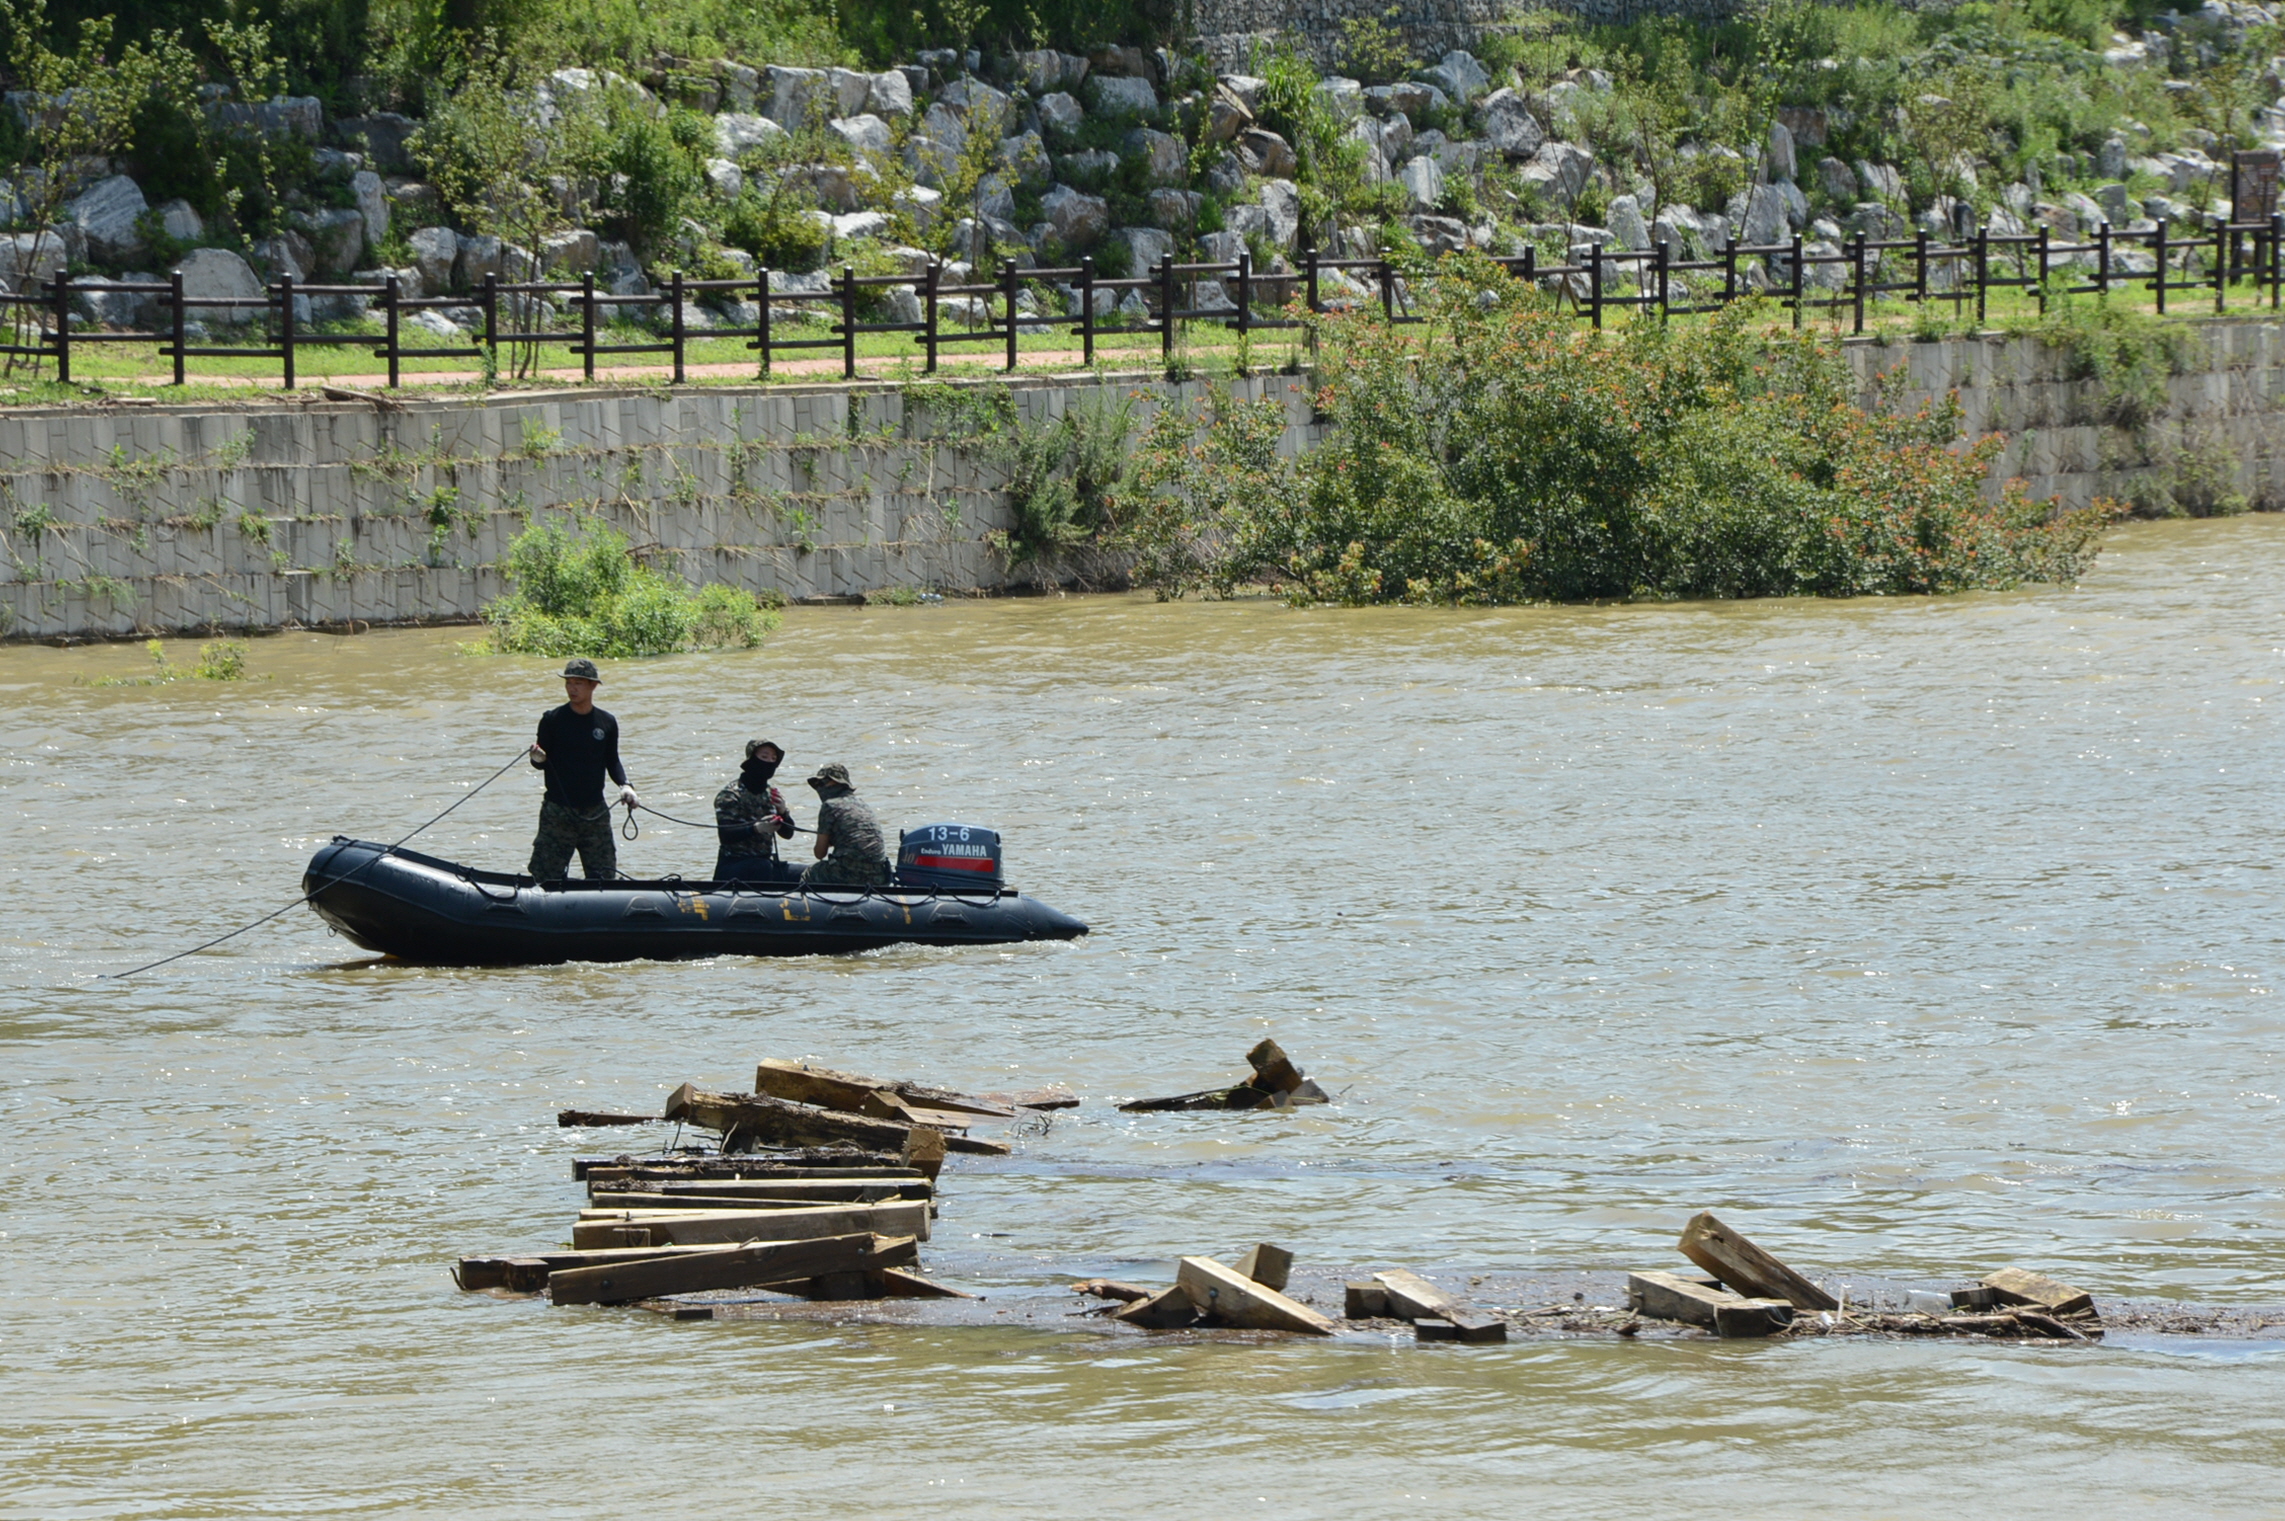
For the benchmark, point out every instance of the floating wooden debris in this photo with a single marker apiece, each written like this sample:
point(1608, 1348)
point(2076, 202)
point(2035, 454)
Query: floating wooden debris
point(1276, 1084)
point(1741, 1265)
point(751, 1119)
point(852, 1094)
point(1226, 1295)
point(2015, 1286)
point(668, 1227)
point(755, 1265)
point(1110, 1288)
point(821, 1162)
point(1270, 1266)
point(1435, 1315)
point(571, 1118)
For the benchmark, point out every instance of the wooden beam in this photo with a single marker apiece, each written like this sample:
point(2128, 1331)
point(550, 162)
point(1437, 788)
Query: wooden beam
point(1364, 1301)
point(795, 1190)
point(1270, 1266)
point(758, 1117)
point(1169, 1309)
point(527, 1272)
point(718, 1227)
point(1411, 1296)
point(741, 1169)
point(900, 1284)
point(1747, 1268)
point(847, 1091)
point(2019, 1286)
point(1753, 1317)
point(572, 1118)
point(1110, 1288)
point(924, 1152)
point(1221, 1294)
point(1034, 1098)
point(733, 1267)
point(1460, 1325)
point(686, 1202)
point(1670, 1296)
point(890, 1106)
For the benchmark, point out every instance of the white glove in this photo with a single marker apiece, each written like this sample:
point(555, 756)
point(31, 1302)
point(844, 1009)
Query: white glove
point(627, 796)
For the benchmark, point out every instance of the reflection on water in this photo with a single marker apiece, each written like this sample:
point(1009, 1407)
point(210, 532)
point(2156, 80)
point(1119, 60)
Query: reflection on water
point(1917, 937)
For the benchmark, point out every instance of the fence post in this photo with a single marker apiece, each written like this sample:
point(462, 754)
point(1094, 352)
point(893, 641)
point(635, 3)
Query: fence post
point(1166, 309)
point(762, 329)
point(1008, 288)
point(1531, 264)
point(587, 323)
point(62, 289)
point(1729, 271)
point(1983, 271)
point(2276, 257)
point(1245, 298)
point(2159, 241)
point(1857, 324)
point(492, 315)
point(1920, 266)
point(2102, 261)
point(174, 297)
point(1387, 278)
point(2222, 241)
point(2043, 261)
point(1087, 309)
point(286, 326)
point(674, 284)
point(928, 312)
point(1799, 283)
point(389, 305)
point(848, 322)
point(1309, 269)
point(1665, 258)
point(1595, 285)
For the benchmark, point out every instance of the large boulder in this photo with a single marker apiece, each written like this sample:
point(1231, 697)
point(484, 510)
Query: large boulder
point(1345, 98)
point(1459, 76)
point(1837, 180)
point(435, 251)
point(795, 95)
point(978, 102)
point(1759, 215)
point(1045, 71)
point(1625, 219)
point(27, 259)
point(1165, 161)
point(372, 205)
point(1079, 219)
point(1423, 181)
point(1091, 166)
point(1882, 181)
point(180, 220)
point(480, 255)
point(1144, 246)
point(301, 116)
point(724, 178)
point(1173, 208)
point(889, 94)
point(219, 274)
point(740, 85)
point(336, 239)
point(1281, 203)
point(1508, 125)
point(947, 125)
point(1781, 162)
point(736, 133)
point(383, 138)
point(1024, 160)
point(846, 90)
point(1264, 152)
point(1109, 95)
point(866, 135)
point(107, 214)
point(1367, 132)
point(1559, 168)
point(570, 253)
point(1060, 114)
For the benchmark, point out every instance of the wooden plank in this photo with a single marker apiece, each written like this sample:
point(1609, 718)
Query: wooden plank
point(2020, 1286)
point(1110, 1288)
point(793, 1191)
point(1747, 1268)
point(786, 1164)
point(890, 1106)
point(1221, 1294)
point(1270, 1266)
point(1753, 1317)
point(847, 1091)
point(734, 1267)
point(924, 1151)
point(527, 1272)
point(1167, 1310)
point(1460, 1325)
point(572, 1118)
point(688, 1202)
point(718, 1227)
point(755, 1117)
point(1364, 1301)
point(748, 1172)
point(1670, 1296)
point(1274, 1071)
point(901, 1284)
point(1411, 1296)
point(1034, 1098)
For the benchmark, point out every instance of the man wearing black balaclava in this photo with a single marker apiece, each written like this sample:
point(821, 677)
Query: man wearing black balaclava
point(751, 818)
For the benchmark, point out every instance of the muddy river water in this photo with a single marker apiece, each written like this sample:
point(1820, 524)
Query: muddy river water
point(1918, 938)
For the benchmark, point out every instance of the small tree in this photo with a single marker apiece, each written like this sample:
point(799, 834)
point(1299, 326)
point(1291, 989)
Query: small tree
point(512, 165)
point(82, 105)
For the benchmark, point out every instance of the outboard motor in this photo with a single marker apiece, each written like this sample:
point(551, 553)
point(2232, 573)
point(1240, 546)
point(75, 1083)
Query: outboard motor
point(957, 856)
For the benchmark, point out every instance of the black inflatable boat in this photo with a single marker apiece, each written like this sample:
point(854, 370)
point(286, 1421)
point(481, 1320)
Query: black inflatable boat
point(422, 909)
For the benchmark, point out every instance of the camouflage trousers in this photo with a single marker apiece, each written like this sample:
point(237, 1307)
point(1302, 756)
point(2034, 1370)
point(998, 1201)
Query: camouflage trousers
point(838, 870)
point(563, 830)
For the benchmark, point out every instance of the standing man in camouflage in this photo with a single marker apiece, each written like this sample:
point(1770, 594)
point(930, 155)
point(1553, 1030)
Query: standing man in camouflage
point(578, 745)
point(849, 849)
point(750, 816)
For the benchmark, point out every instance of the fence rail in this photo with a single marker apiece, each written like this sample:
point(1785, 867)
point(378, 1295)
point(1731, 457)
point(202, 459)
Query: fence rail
point(1596, 282)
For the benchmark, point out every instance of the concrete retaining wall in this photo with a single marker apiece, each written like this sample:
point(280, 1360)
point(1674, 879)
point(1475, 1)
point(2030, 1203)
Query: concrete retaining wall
point(124, 521)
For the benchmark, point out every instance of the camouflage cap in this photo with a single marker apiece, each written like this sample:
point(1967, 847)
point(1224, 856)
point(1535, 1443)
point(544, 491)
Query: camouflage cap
point(756, 746)
point(581, 669)
point(832, 775)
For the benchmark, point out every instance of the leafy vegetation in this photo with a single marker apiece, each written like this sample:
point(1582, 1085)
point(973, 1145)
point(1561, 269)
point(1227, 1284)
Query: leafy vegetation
point(580, 591)
point(1504, 455)
point(218, 660)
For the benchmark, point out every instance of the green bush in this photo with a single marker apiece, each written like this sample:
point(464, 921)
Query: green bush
point(582, 592)
point(1501, 454)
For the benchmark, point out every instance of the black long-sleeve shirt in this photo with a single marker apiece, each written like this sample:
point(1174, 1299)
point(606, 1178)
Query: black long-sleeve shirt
point(580, 748)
